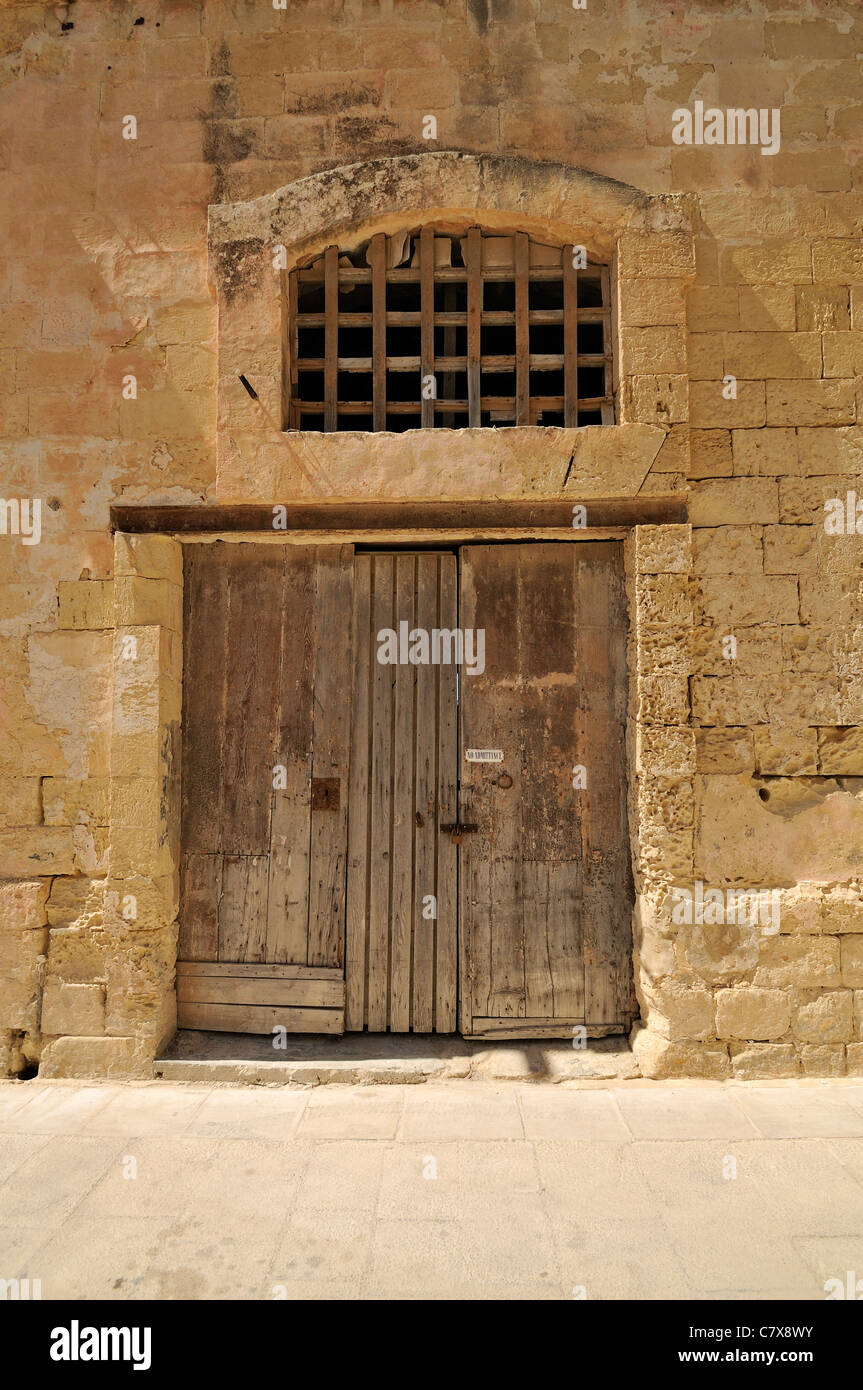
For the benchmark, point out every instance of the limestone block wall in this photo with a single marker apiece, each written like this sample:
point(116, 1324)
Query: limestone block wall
point(746, 759)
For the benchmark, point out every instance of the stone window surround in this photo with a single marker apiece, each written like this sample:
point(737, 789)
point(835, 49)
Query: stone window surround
point(646, 239)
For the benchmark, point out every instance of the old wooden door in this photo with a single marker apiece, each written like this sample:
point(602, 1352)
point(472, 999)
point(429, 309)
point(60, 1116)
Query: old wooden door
point(266, 718)
point(545, 885)
point(402, 942)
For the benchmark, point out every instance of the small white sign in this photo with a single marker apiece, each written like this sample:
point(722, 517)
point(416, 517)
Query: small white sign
point(484, 755)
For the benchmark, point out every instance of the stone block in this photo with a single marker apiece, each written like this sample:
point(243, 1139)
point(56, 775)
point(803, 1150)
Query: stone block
point(840, 752)
point(73, 1010)
point(784, 751)
point(20, 801)
point(42, 850)
point(86, 603)
point(734, 502)
point(727, 550)
point(765, 452)
point(95, 1058)
point(824, 1016)
point(852, 961)
point(763, 1061)
point(748, 1013)
point(663, 549)
point(68, 801)
point(825, 1059)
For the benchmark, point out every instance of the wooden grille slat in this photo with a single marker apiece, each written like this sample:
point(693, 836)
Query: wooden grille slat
point(468, 327)
point(474, 320)
point(331, 331)
point(427, 321)
point(570, 338)
point(522, 331)
point(379, 328)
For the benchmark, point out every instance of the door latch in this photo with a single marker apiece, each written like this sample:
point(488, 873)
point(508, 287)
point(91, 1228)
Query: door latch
point(459, 828)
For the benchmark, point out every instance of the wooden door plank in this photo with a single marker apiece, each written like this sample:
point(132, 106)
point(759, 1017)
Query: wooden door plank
point(257, 970)
point(607, 875)
point(260, 990)
point(380, 807)
point(205, 607)
point(446, 925)
point(528, 1028)
point(425, 883)
point(330, 759)
point(246, 1018)
point(356, 946)
point(403, 810)
point(255, 576)
point(288, 891)
point(201, 885)
point(243, 907)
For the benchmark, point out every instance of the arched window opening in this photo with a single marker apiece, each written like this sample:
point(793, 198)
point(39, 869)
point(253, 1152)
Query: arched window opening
point(428, 328)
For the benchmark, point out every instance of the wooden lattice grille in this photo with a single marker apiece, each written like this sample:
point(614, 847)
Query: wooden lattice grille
point(426, 329)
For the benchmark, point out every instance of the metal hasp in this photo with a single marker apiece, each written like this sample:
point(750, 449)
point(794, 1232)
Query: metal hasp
point(458, 828)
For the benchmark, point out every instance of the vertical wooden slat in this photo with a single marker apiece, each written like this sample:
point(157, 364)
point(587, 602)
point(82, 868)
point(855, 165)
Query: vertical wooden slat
point(331, 337)
point(380, 804)
point(201, 886)
point(426, 320)
point(288, 897)
point(330, 758)
point(243, 908)
point(522, 330)
point(607, 879)
point(378, 260)
point(404, 815)
point(205, 602)
point(607, 410)
point(446, 926)
point(570, 339)
point(291, 338)
point(358, 820)
point(255, 620)
point(474, 320)
point(425, 804)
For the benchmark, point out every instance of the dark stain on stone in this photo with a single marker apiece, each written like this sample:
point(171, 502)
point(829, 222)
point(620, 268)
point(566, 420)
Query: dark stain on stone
point(479, 12)
point(239, 265)
point(226, 143)
point(334, 99)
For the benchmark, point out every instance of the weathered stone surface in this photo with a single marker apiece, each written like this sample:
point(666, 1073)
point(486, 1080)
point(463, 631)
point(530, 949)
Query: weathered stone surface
point(751, 1013)
point(659, 1058)
point(76, 1010)
point(782, 751)
point(826, 1059)
point(20, 802)
point(68, 801)
point(109, 1058)
point(852, 961)
point(824, 1016)
point(761, 1061)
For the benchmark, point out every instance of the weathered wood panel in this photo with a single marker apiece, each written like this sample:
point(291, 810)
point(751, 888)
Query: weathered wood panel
point(546, 895)
point(249, 1018)
point(265, 714)
point(260, 990)
point(401, 957)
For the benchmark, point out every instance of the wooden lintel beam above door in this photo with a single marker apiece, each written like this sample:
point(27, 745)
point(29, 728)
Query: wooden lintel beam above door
point(415, 516)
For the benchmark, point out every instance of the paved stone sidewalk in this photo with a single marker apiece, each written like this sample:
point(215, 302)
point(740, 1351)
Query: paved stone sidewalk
point(442, 1190)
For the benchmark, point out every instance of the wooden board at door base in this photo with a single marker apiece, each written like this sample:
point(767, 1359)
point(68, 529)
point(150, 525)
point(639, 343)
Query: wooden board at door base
point(545, 885)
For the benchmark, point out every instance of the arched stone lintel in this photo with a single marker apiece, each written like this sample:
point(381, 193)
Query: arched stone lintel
point(348, 204)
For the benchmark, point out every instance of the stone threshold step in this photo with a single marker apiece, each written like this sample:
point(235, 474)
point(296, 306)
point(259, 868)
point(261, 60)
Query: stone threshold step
point(387, 1059)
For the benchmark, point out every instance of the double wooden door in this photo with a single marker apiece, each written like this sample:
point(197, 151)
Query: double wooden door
point(390, 822)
